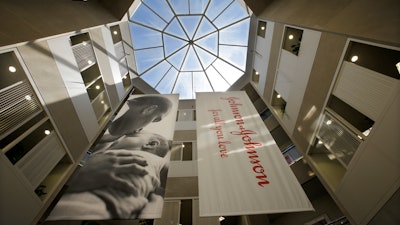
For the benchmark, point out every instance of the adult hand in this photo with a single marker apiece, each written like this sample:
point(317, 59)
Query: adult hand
point(155, 201)
point(103, 169)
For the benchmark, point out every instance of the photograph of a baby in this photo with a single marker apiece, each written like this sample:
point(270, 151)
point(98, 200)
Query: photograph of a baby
point(125, 176)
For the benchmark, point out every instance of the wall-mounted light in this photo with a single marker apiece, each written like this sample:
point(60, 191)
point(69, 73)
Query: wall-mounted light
point(12, 69)
point(262, 28)
point(89, 61)
point(328, 122)
point(102, 102)
point(291, 37)
point(97, 87)
point(354, 58)
point(278, 96)
point(47, 132)
point(115, 32)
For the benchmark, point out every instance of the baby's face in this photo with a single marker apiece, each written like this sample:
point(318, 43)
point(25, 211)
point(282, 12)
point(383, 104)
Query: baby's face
point(139, 141)
point(143, 119)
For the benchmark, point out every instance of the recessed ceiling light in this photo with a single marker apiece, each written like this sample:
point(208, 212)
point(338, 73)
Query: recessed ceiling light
point(354, 58)
point(12, 69)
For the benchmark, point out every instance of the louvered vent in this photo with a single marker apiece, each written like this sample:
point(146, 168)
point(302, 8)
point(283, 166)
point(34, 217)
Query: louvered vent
point(17, 104)
point(84, 55)
point(338, 139)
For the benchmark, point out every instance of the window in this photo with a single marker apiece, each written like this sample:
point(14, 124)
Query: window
point(292, 40)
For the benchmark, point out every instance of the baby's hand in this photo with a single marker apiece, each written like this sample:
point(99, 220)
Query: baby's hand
point(103, 169)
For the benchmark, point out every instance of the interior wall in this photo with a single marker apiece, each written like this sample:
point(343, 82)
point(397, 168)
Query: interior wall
point(373, 20)
point(29, 20)
point(323, 71)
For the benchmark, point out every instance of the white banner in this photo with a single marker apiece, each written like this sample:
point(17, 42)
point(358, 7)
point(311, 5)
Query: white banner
point(125, 176)
point(241, 169)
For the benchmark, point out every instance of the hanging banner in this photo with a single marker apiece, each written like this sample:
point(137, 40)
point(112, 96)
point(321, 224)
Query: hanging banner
point(125, 175)
point(241, 169)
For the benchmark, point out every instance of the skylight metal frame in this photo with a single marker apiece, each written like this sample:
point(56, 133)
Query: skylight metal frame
point(216, 56)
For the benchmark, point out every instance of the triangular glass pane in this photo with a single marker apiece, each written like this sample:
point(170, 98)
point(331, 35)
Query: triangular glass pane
point(234, 54)
point(218, 83)
point(205, 28)
point(167, 83)
point(177, 59)
point(201, 83)
point(230, 73)
point(172, 44)
point(232, 14)
point(198, 6)
point(216, 7)
point(205, 58)
point(236, 34)
point(175, 29)
point(147, 58)
point(191, 62)
point(144, 37)
point(161, 8)
point(180, 6)
point(209, 43)
point(153, 76)
point(184, 86)
point(190, 24)
point(144, 15)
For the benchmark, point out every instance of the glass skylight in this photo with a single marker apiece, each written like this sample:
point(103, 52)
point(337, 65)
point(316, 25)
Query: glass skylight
point(189, 46)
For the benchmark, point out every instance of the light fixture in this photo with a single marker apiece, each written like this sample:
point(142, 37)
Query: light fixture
point(257, 73)
point(28, 97)
point(320, 142)
point(102, 102)
point(221, 218)
point(354, 58)
point(97, 87)
point(84, 43)
point(278, 96)
point(291, 37)
point(47, 132)
point(328, 122)
point(262, 28)
point(89, 61)
point(12, 69)
point(115, 32)
point(183, 145)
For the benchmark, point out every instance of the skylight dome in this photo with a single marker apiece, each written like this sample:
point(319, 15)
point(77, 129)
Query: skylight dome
point(189, 46)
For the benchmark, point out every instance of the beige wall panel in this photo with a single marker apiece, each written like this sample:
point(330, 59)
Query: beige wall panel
point(375, 168)
point(273, 62)
point(343, 16)
point(108, 64)
point(41, 65)
point(197, 220)
point(30, 20)
point(182, 187)
point(170, 214)
point(322, 74)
